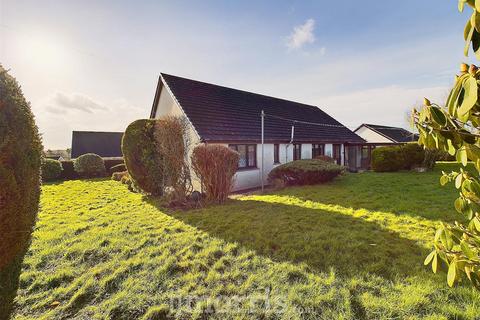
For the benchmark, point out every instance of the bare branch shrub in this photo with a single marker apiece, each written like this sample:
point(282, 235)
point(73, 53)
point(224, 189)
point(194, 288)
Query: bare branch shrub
point(215, 165)
point(173, 143)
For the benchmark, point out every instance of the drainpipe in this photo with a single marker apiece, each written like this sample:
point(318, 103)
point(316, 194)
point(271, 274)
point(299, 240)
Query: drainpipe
point(263, 140)
point(291, 141)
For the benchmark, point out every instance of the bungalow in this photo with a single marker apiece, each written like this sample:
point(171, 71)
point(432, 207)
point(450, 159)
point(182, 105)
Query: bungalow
point(232, 117)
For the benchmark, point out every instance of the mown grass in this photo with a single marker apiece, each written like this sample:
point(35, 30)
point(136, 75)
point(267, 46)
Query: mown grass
point(351, 249)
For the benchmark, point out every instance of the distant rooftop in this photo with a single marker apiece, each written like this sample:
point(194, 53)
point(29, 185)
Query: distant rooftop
point(396, 134)
point(105, 144)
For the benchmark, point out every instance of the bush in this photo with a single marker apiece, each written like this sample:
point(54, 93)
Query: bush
point(118, 168)
point(68, 172)
point(89, 165)
point(386, 159)
point(20, 160)
point(142, 159)
point(173, 144)
point(51, 169)
point(413, 155)
point(398, 157)
point(215, 166)
point(325, 158)
point(117, 176)
point(303, 172)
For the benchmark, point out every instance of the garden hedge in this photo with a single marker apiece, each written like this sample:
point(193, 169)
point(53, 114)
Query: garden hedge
point(413, 155)
point(398, 157)
point(89, 165)
point(305, 172)
point(386, 159)
point(20, 160)
point(51, 169)
point(68, 172)
point(142, 158)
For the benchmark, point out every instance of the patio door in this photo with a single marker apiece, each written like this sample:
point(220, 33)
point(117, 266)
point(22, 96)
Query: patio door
point(351, 157)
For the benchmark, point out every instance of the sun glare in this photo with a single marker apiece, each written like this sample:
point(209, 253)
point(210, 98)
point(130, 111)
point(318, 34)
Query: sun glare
point(42, 51)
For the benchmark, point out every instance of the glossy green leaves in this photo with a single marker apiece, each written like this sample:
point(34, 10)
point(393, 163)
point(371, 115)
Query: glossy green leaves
point(471, 32)
point(455, 128)
point(452, 273)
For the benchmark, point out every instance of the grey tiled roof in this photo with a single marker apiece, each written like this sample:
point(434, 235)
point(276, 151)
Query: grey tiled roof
point(221, 114)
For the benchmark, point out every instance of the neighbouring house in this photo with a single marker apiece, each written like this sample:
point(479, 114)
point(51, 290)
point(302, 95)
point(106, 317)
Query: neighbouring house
point(105, 144)
point(232, 117)
point(379, 135)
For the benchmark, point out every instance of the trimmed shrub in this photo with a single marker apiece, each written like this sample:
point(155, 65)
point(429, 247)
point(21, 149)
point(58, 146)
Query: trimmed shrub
point(51, 169)
point(89, 165)
point(325, 158)
point(413, 155)
point(142, 159)
point(215, 166)
point(399, 157)
point(68, 172)
point(20, 159)
point(305, 172)
point(118, 168)
point(386, 159)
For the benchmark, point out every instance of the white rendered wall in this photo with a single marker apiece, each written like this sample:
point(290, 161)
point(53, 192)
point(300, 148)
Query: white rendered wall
point(250, 178)
point(371, 136)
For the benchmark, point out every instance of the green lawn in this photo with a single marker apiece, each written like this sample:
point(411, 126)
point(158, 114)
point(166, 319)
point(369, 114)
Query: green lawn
point(352, 249)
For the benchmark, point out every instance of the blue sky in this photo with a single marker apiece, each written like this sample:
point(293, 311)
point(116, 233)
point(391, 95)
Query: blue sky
point(93, 65)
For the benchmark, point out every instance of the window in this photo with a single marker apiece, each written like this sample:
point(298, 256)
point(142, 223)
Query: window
point(276, 153)
point(318, 150)
point(297, 151)
point(248, 155)
point(337, 153)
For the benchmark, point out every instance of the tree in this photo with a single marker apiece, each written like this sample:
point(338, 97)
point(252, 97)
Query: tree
point(20, 158)
point(455, 128)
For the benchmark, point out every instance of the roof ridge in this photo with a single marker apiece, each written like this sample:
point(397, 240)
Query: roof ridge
point(382, 126)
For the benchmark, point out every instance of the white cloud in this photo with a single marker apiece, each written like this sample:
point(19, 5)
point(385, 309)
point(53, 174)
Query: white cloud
point(301, 35)
point(64, 101)
point(61, 113)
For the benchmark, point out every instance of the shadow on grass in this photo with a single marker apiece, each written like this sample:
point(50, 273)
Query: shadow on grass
point(321, 239)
